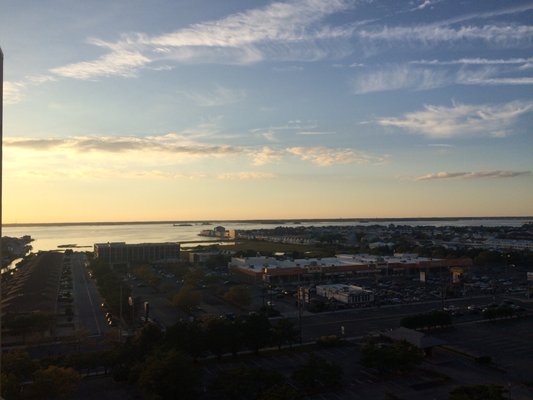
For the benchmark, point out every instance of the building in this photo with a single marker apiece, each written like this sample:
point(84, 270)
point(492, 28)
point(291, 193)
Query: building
point(219, 232)
point(272, 270)
point(120, 252)
point(347, 294)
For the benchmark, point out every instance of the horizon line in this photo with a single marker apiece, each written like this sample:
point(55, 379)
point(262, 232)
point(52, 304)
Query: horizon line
point(266, 220)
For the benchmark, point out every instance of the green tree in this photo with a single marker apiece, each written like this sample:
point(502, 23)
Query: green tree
point(18, 363)
point(11, 386)
point(257, 331)
point(284, 331)
point(427, 320)
point(390, 357)
point(281, 392)
point(187, 298)
point(239, 294)
point(166, 375)
point(24, 324)
point(478, 392)
point(218, 333)
point(318, 374)
point(243, 383)
point(54, 382)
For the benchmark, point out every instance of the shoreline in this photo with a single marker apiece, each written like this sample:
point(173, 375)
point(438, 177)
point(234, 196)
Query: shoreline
point(266, 221)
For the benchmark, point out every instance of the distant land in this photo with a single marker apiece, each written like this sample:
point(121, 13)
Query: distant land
point(264, 221)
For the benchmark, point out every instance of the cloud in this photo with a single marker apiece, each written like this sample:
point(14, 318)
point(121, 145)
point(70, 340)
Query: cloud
point(407, 76)
point(121, 62)
point(246, 176)
point(504, 35)
point(324, 156)
point(13, 92)
point(315, 133)
point(281, 30)
point(266, 155)
point(399, 77)
point(440, 145)
point(123, 144)
point(425, 4)
point(293, 125)
point(461, 120)
point(472, 175)
point(476, 61)
point(219, 96)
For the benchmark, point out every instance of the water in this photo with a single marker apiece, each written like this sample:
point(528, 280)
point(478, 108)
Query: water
point(49, 237)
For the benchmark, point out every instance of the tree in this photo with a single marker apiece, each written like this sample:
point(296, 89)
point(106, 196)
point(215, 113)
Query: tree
point(390, 357)
point(11, 386)
point(217, 333)
point(239, 294)
point(54, 382)
point(257, 331)
point(281, 392)
point(478, 392)
point(187, 298)
point(18, 363)
point(243, 383)
point(24, 324)
point(284, 331)
point(427, 320)
point(167, 374)
point(318, 374)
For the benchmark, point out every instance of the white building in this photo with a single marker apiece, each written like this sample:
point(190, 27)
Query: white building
point(348, 294)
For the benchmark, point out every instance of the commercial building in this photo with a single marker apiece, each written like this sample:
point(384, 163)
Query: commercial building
point(120, 252)
point(272, 270)
point(348, 294)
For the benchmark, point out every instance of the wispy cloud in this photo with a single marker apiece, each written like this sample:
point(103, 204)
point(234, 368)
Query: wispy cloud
point(315, 133)
point(461, 120)
point(281, 30)
point(504, 35)
point(324, 156)
point(15, 91)
point(246, 176)
point(219, 96)
point(120, 62)
point(436, 75)
point(472, 175)
point(397, 77)
point(122, 144)
point(266, 155)
point(425, 4)
point(176, 149)
point(476, 61)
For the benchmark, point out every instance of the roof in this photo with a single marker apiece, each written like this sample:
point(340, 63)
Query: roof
point(418, 339)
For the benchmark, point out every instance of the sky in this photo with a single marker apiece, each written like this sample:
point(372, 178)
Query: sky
point(146, 110)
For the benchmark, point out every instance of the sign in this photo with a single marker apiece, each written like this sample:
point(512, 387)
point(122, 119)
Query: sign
point(530, 276)
point(422, 276)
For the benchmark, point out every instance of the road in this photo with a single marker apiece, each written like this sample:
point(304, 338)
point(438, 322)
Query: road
point(358, 322)
point(88, 313)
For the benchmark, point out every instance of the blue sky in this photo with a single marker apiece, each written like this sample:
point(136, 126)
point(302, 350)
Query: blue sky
point(158, 110)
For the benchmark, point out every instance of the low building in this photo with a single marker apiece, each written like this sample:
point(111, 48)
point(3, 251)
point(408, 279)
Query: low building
point(219, 232)
point(347, 294)
point(120, 252)
point(272, 270)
